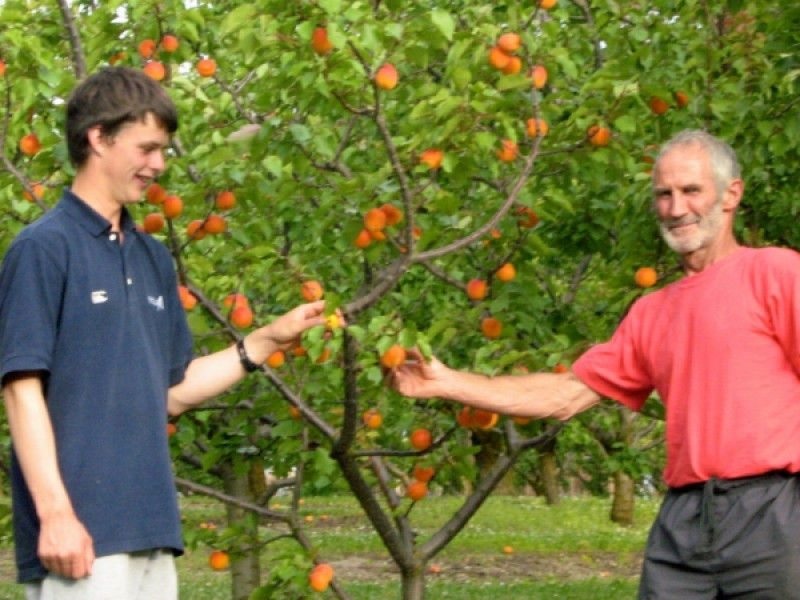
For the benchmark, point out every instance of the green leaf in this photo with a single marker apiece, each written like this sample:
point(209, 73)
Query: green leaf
point(274, 165)
point(444, 22)
point(626, 124)
point(236, 17)
point(331, 7)
point(300, 133)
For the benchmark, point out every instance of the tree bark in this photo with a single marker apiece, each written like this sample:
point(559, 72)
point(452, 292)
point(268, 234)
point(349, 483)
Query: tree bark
point(549, 475)
point(413, 584)
point(623, 504)
point(245, 567)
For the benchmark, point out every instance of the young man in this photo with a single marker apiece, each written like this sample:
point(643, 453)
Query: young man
point(721, 348)
point(95, 352)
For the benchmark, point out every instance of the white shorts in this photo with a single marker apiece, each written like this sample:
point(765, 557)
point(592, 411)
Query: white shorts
point(145, 575)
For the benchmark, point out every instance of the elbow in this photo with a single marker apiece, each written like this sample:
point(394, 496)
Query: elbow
point(175, 408)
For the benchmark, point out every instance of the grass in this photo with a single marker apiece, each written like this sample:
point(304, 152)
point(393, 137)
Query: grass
point(567, 551)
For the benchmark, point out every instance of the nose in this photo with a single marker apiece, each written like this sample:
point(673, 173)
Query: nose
point(157, 161)
point(678, 206)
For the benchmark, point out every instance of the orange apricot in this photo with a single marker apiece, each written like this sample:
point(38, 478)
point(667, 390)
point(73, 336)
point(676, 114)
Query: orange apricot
point(30, 144)
point(206, 67)
point(219, 560)
point(372, 419)
point(513, 67)
point(539, 76)
point(491, 328)
point(599, 136)
point(225, 200)
point(155, 69)
point(276, 359)
point(506, 273)
point(312, 290)
point(393, 214)
point(242, 317)
point(153, 222)
point(424, 474)
point(194, 230)
point(432, 158)
point(420, 439)
point(393, 357)
point(658, 105)
point(476, 289)
point(155, 194)
point(320, 42)
point(508, 151)
point(498, 58)
point(374, 219)
point(188, 299)
point(172, 207)
point(169, 43)
point(537, 127)
point(147, 48)
point(530, 219)
point(215, 224)
point(417, 490)
point(363, 239)
point(509, 42)
point(645, 277)
point(386, 77)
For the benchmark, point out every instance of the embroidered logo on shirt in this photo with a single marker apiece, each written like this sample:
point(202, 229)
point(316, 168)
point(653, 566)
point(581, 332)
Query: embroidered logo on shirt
point(157, 302)
point(99, 296)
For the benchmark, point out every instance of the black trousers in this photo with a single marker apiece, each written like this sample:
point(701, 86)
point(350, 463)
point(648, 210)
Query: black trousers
point(724, 539)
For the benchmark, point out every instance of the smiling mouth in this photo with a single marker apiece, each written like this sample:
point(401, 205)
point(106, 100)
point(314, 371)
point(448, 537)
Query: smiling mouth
point(680, 225)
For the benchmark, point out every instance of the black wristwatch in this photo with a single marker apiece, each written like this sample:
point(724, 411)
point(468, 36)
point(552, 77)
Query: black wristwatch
point(248, 364)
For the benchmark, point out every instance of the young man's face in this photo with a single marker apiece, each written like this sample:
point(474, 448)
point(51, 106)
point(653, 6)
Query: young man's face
point(688, 205)
point(132, 159)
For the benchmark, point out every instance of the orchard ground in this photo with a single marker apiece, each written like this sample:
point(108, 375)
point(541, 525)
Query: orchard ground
point(571, 550)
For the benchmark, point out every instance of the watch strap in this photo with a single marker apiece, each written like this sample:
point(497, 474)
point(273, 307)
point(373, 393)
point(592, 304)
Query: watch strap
point(248, 364)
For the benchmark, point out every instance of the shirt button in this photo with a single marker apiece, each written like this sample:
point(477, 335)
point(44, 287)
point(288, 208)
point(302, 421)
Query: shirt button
point(113, 237)
point(130, 281)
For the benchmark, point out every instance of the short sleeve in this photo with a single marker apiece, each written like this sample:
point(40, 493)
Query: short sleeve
point(615, 369)
point(31, 291)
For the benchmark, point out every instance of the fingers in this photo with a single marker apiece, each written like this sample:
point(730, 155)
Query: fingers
point(415, 354)
point(89, 558)
point(74, 566)
point(66, 548)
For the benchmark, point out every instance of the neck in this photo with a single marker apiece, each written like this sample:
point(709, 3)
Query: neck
point(695, 262)
point(91, 192)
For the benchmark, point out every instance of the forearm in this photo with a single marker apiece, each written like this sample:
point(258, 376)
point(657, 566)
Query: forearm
point(538, 395)
point(211, 375)
point(34, 444)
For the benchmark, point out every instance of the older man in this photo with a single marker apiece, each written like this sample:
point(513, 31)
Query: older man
point(720, 346)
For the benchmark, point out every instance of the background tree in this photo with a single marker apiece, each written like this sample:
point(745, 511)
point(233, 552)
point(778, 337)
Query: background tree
point(401, 154)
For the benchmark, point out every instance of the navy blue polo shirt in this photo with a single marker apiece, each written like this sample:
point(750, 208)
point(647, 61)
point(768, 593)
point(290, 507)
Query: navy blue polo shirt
point(103, 320)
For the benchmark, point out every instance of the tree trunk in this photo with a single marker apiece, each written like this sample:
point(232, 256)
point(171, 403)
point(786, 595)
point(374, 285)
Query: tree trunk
point(245, 567)
point(549, 475)
point(492, 447)
point(624, 499)
point(413, 585)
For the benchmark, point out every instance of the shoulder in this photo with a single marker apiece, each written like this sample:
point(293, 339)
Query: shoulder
point(770, 262)
point(49, 236)
point(772, 255)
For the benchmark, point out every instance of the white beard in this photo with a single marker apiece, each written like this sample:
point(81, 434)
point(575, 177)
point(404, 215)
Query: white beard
point(708, 226)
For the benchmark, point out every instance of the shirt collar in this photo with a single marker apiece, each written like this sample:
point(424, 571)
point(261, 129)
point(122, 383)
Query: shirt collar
point(90, 219)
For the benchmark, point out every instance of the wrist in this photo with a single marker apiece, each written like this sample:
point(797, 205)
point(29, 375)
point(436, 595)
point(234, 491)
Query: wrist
point(245, 359)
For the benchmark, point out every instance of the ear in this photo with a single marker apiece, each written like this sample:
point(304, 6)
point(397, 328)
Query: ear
point(97, 141)
point(733, 194)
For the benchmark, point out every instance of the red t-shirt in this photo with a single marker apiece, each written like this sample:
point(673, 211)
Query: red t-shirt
point(721, 349)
